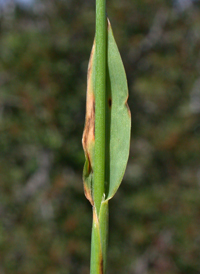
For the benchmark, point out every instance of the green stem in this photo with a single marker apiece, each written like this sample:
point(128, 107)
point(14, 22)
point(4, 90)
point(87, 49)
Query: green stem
point(100, 90)
point(100, 208)
point(103, 222)
point(99, 241)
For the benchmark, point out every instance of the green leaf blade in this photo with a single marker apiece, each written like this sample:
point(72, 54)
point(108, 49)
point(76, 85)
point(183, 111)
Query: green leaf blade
point(118, 118)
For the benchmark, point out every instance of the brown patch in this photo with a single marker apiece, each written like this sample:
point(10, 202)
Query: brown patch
point(89, 130)
point(94, 118)
point(101, 265)
point(88, 194)
point(109, 102)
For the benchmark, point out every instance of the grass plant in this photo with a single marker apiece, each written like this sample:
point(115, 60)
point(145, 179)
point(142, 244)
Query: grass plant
point(106, 137)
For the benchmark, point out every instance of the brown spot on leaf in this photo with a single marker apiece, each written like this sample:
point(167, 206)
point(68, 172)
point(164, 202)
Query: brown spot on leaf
point(89, 130)
point(129, 112)
point(88, 194)
point(109, 102)
point(127, 106)
point(101, 265)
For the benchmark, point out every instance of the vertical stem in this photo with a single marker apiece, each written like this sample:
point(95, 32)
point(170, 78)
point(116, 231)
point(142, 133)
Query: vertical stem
point(103, 222)
point(100, 208)
point(100, 90)
point(99, 240)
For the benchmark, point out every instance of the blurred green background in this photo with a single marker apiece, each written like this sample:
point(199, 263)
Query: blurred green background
point(45, 220)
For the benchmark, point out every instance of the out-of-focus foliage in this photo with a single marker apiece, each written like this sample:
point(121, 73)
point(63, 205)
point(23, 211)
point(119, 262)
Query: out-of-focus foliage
point(45, 220)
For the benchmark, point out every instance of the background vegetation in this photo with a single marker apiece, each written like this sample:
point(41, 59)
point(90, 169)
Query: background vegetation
point(45, 220)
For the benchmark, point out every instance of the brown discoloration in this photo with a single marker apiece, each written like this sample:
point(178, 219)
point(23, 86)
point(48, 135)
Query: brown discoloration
point(89, 130)
point(101, 266)
point(88, 194)
point(127, 106)
point(129, 112)
point(95, 217)
point(109, 25)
